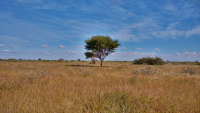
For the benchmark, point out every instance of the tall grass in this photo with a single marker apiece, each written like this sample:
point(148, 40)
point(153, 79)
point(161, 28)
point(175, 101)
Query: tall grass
point(84, 87)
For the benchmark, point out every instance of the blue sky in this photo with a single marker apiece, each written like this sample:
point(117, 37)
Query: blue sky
point(53, 29)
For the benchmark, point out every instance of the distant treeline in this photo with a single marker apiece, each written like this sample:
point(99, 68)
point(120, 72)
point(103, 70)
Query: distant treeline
point(62, 60)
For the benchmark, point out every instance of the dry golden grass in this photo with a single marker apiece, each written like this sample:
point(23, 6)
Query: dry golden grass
point(76, 87)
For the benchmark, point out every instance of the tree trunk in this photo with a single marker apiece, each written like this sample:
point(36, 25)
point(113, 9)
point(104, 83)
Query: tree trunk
point(101, 62)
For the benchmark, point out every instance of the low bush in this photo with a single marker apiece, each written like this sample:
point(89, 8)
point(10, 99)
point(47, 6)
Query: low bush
point(45, 60)
point(61, 60)
point(149, 61)
point(145, 71)
point(198, 63)
point(189, 70)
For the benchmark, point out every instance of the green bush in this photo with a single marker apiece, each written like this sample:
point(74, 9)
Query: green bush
point(149, 60)
point(45, 60)
point(198, 63)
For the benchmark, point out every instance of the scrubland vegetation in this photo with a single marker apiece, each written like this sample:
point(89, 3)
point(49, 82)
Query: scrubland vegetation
point(78, 86)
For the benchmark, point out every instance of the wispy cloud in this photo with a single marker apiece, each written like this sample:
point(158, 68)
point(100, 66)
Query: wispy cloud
point(1, 45)
point(157, 49)
point(129, 55)
point(30, 45)
point(61, 46)
point(139, 48)
point(125, 48)
point(80, 46)
point(44, 46)
point(5, 51)
point(74, 52)
point(135, 53)
point(195, 31)
point(188, 54)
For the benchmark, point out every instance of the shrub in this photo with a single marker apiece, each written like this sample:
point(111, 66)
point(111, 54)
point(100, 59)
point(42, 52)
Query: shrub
point(149, 60)
point(167, 60)
point(189, 70)
point(12, 60)
point(61, 60)
point(45, 60)
point(196, 61)
point(39, 59)
point(93, 60)
point(78, 59)
point(145, 71)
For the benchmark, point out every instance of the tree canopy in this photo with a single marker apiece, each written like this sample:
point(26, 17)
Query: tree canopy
point(100, 47)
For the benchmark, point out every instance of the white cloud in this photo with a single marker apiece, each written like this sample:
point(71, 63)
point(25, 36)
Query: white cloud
point(61, 46)
point(79, 46)
point(125, 35)
point(144, 24)
point(135, 54)
point(30, 45)
point(139, 48)
point(157, 49)
point(129, 55)
point(75, 52)
point(193, 31)
point(171, 32)
point(1, 45)
point(178, 54)
point(44, 46)
point(5, 50)
point(125, 48)
point(188, 54)
point(46, 52)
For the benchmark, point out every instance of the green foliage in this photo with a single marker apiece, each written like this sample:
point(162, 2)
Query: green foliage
point(101, 47)
point(45, 60)
point(149, 60)
point(198, 63)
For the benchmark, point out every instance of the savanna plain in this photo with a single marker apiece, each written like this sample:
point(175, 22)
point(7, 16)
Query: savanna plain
point(82, 87)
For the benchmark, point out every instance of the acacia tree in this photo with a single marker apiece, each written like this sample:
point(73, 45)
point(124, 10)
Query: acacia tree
point(101, 47)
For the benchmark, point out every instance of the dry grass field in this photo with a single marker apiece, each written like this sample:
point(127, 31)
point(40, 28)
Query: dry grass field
point(81, 87)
